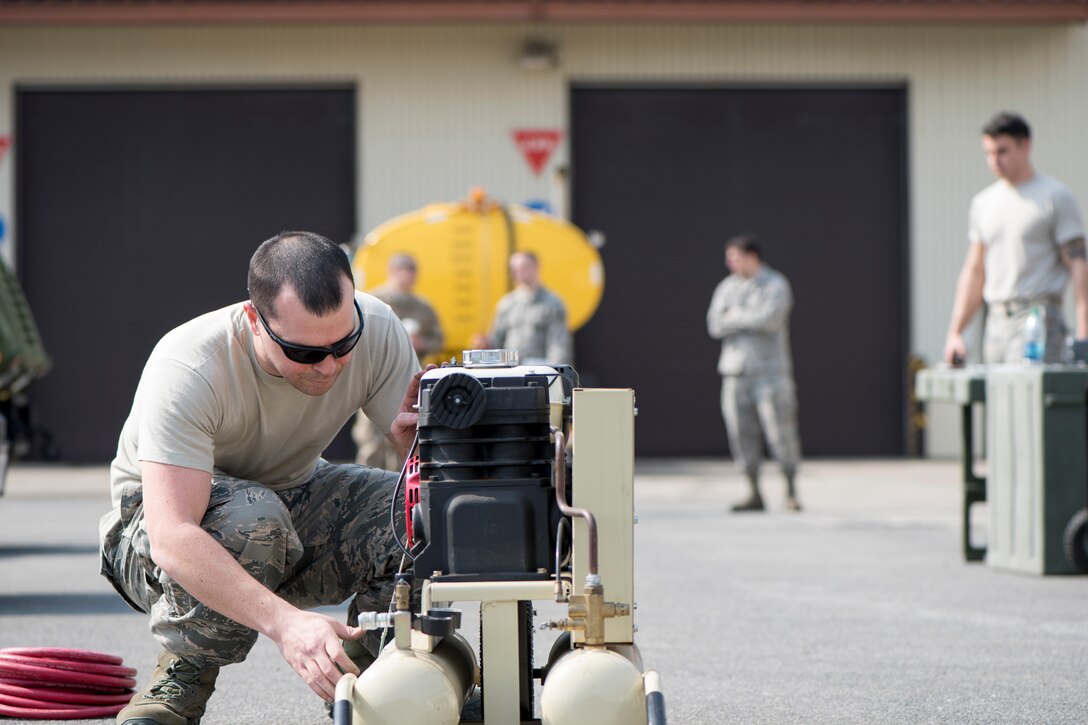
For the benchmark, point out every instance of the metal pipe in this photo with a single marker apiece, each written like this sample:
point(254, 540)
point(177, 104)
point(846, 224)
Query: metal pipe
point(559, 594)
point(561, 499)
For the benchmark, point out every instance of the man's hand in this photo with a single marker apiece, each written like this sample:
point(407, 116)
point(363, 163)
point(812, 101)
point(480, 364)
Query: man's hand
point(955, 349)
point(403, 429)
point(311, 644)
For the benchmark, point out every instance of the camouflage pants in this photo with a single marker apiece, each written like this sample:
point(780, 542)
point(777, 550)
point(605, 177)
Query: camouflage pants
point(314, 545)
point(758, 406)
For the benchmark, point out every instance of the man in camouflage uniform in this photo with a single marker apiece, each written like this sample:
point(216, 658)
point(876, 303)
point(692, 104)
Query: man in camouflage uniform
point(750, 314)
point(226, 521)
point(419, 319)
point(531, 319)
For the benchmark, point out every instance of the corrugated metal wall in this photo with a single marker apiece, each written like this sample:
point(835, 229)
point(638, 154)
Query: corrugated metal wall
point(438, 103)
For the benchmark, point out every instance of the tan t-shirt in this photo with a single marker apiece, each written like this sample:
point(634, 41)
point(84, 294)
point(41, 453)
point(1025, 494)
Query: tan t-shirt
point(204, 402)
point(1023, 228)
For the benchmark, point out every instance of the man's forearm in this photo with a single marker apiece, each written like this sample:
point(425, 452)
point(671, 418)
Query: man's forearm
point(1074, 256)
point(208, 572)
point(763, 319)
point(1081, 297)
point(968, 301)
point(969, 289)
point(401, 436)
point(716, 325)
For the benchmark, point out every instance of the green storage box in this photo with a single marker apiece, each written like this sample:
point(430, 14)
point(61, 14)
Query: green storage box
point(1037, 454)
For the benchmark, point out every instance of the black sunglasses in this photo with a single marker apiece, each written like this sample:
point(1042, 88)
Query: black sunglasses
point(307, 355)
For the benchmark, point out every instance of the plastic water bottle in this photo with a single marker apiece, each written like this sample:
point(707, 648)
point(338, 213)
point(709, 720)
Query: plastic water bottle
point(1035, 336)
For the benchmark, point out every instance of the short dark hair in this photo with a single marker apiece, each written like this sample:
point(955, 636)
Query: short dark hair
point(1007, 124)
point(309, 262)
point(531, 256)
point(400, 260)
point(746, 242)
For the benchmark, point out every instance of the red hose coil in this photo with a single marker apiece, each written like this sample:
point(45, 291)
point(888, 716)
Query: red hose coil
point(56, 683)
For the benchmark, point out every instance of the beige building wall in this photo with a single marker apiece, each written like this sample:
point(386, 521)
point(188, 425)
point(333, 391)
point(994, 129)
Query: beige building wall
point(437, 104)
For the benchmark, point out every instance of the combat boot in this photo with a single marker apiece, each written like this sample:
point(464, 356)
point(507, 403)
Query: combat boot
point(752, 503)
point(177, 694)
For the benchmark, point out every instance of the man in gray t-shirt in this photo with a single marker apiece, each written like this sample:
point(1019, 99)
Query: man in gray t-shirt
point(226, 521)
point(1026, 243)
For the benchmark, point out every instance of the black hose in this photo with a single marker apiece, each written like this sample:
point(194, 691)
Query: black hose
point(655, 699)
point(341, 712)
point(655, 708)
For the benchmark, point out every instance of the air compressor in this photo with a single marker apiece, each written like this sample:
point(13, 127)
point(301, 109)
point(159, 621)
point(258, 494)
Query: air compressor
point(521, 490)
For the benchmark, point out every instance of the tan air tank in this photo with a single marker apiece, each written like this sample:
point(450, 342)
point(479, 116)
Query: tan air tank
point(412, 686)
point(593, 685)
point(462, 248)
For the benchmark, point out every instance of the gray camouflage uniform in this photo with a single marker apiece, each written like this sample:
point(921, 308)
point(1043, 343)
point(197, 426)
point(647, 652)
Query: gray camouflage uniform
point(408, 306)
point(374, 449)
point(534, 324)
point(751, 318)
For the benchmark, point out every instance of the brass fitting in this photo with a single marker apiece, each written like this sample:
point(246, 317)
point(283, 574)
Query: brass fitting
point(402, 592)
point(586, 612)
point(402, 617)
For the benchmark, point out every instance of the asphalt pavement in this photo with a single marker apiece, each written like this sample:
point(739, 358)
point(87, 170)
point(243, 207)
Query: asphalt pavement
point(860, 609)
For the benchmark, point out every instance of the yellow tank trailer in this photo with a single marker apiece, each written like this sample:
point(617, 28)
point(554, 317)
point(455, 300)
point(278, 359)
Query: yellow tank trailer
point(462, 249)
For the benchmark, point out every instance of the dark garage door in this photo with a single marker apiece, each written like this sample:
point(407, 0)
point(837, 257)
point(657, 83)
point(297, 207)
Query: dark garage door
point(139, 209)
point(820, 176)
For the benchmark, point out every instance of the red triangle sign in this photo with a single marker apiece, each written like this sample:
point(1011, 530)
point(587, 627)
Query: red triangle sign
point(537, 145)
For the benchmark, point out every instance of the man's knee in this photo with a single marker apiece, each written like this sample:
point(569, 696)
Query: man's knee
point(254, 525)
